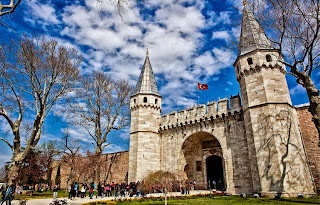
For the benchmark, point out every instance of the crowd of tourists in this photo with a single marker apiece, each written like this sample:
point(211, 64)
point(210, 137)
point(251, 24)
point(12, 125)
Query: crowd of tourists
point(125, 189)
point(9, 191)
point(103, 190)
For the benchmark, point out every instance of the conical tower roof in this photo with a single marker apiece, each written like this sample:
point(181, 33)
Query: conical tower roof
point(146, 83)
point(252, 35)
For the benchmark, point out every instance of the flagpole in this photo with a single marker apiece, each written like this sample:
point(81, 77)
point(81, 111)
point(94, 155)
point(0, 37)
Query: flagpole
point(197, 96)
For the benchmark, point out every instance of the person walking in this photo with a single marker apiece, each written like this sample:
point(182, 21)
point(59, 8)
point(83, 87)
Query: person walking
point(83, 191)
point(8, 195)
point(108, 190)
point(214, 184)
point(91, 191)
point(3, 193)
point(99, 191)
point(75, 190)
point(55, 192)
point(70, 191)
point(113, 189)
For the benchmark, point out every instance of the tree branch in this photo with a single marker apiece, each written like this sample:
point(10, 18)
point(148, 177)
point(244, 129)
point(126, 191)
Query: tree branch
point(11, 5)
point(7, 142)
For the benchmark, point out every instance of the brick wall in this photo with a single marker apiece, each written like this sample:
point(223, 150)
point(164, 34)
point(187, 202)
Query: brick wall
point(116, 172)
point(311, 141)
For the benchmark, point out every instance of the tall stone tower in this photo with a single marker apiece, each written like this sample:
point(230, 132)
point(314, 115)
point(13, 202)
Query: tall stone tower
point(145, 105)
point(277, 156)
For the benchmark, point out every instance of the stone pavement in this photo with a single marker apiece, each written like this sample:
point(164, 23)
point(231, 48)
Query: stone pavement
point(79, 201)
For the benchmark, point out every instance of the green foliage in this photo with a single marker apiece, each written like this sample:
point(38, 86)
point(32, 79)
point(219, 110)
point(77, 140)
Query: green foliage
point(58, 176)
point(38, 195)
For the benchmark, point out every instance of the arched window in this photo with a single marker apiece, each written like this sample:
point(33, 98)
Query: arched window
point(145, 100)
point(238, 69)
point(268, 57)
point(250, 62)
point(134, 101)
point(156, 101)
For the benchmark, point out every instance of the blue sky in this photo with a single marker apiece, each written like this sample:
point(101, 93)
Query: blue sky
point(188, 40)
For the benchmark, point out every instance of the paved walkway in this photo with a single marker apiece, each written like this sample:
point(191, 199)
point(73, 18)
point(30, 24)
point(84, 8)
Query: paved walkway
point(79, 201)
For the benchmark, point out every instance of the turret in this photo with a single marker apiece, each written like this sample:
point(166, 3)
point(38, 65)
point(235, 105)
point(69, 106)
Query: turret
point(277, 157)
point(145, 105)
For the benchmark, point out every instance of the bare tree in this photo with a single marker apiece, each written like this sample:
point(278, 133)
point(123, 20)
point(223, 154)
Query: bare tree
point(120, 5)
point(294, 27)
point(3, 173)
point(38, 167)
point(100, 105)
point(35, 72)
point(163, 180)
point(70, 154)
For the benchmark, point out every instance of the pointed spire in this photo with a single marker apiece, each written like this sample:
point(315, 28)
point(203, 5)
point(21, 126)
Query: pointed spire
point(244, 3)
point(146, 83)
point(252, 35)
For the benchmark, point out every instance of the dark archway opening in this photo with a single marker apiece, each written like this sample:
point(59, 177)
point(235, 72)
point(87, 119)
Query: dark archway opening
point(215, 172)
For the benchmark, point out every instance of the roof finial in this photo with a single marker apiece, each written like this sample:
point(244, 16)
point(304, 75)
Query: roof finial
point(244, 3)
point(147, 52)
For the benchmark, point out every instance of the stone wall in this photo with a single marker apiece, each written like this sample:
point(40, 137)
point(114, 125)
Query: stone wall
point(113, 168)
point(184, 132)
point(194, 114)
point(311, 141)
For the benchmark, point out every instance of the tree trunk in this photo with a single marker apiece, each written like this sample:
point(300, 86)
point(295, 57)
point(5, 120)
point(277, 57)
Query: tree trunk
point(314, 99)
point(13, 172)
point(315, 111)
point(97, 175)
point(97, 158)
point(165, 196)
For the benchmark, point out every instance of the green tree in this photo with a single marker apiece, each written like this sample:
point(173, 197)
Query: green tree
point(58, 177)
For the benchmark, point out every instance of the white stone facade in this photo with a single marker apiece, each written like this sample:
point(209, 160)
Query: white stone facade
point(259, 142)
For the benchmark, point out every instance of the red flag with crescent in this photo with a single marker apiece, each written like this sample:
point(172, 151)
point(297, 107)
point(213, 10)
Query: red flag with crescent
point(202, 86)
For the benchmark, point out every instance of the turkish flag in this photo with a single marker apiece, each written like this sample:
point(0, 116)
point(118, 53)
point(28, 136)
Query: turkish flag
point(202, 86)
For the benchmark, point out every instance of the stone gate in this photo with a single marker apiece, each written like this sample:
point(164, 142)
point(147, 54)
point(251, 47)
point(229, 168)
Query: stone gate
point(247, 144)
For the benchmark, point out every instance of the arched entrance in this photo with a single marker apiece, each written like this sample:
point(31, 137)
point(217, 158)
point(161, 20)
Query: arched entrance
point(214, 170)
point(201, 155)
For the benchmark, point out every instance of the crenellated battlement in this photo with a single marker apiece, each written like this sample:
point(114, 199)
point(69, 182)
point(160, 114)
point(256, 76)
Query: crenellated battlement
point(197, 113)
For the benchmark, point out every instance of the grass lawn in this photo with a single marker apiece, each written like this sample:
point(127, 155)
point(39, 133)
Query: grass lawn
point(38, 195)
point(225, 200)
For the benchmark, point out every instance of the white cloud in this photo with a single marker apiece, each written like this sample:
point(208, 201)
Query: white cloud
point(215, 19)
point(213, 62)
point(297, 90)
point(222, 35)
point(173, 35)
point(42, 12)
point(229, 83)
point(114, 148)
